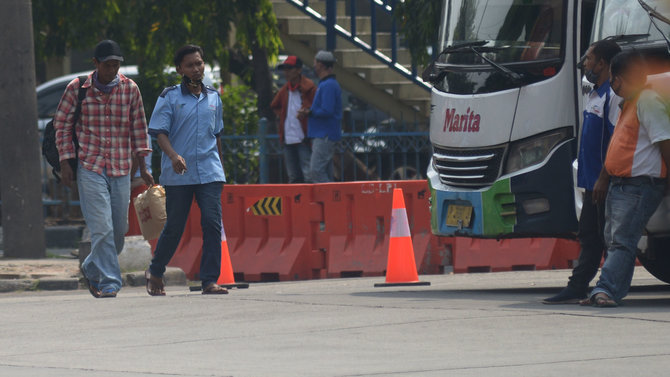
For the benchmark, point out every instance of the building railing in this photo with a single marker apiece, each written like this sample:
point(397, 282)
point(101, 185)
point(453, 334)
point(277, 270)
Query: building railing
point(381, 151)
point(333, 29)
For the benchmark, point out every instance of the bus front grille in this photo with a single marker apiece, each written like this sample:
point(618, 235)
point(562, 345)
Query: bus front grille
point(471, 168)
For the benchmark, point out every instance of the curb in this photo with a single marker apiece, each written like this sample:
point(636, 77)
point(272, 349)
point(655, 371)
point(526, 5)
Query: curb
point(13, 285)
point(173, 277)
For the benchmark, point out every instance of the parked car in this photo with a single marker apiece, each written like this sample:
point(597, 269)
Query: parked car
point(50, 93)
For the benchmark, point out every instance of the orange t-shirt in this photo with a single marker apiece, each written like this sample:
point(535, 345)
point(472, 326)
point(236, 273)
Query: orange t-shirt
point(633, 149)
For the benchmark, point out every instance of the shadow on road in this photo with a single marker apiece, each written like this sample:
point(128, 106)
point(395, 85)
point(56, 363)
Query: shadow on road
point(520, 298)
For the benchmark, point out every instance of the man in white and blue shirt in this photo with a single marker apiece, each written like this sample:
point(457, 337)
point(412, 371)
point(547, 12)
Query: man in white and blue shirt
point(187, 122)
point(601, 110)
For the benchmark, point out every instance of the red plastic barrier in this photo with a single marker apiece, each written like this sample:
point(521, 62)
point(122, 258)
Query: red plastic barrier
point(342, 230)
point(133, 224)
point(488, 255)
point(357, 218)
point(271, 247)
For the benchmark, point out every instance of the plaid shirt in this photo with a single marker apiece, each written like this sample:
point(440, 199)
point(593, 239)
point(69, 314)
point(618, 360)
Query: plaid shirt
point(111, 130)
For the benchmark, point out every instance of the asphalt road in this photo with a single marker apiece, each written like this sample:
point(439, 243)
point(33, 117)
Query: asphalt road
point(462, 325)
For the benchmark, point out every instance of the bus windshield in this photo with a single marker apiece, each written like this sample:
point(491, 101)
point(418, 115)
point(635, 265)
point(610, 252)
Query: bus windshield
point(494, 45)
point(514, 30)
point(628, 18)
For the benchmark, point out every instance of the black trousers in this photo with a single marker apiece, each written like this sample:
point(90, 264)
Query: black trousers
point(591, 238)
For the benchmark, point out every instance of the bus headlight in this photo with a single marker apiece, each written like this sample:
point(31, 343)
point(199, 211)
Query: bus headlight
point(534, 150)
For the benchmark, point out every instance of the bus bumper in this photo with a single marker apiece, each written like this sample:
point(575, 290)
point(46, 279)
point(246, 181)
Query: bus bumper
point(535, 203)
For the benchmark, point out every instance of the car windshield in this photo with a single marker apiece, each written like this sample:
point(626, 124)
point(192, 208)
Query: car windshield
point(514, 30)
point(627, 17)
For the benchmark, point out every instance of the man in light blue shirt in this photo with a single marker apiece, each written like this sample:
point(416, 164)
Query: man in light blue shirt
point(187, 122)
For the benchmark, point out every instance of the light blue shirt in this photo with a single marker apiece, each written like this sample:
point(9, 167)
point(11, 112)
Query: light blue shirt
point(192, 125)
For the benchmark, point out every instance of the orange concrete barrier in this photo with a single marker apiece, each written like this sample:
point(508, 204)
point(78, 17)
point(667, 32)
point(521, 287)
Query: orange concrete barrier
point(133, 224)
point(488, 255)
point(270, 231)
point(298, 232)
point(357, 218)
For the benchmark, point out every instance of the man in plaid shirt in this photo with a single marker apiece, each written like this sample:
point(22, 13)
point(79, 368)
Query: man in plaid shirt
point(111, 132)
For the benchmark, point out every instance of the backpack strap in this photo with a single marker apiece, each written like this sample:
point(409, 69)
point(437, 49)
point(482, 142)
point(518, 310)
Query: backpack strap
point(81, 94)
point(80, 98)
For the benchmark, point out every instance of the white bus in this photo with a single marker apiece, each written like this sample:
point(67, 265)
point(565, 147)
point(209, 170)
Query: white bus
point(506, 111)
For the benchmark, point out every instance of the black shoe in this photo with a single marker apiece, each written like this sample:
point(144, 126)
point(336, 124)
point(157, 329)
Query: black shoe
point(566, 296)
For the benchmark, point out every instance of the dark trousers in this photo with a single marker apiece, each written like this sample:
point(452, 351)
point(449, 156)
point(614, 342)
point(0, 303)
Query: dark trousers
point(178, 201)
point(591, 239)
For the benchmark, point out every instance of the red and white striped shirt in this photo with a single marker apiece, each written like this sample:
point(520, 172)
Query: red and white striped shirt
point(112, 128)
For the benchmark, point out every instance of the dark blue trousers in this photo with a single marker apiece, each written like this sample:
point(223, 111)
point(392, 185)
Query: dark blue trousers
point(178, 201)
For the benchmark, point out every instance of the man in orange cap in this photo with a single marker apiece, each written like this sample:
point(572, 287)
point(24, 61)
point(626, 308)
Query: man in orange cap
point(296, 94)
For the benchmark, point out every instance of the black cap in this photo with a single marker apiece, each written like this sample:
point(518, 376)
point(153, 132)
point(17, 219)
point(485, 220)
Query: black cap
point(108, 50)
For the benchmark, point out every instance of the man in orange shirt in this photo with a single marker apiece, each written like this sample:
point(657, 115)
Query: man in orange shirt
point(636, 172)
point(296, 94)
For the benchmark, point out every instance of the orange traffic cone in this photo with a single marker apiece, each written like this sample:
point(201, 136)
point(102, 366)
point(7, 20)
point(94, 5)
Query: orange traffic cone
point(226, 276)
point(401, 267)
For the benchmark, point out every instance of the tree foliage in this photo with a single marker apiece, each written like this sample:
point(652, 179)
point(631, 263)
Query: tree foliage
point(151, 30)
point(419, 22)
point(240, 117)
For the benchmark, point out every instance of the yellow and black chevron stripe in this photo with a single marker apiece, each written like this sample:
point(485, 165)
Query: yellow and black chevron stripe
point(268, 206)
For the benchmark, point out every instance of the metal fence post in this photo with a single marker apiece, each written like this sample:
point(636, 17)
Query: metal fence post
point(331, 18)
point(263, 159)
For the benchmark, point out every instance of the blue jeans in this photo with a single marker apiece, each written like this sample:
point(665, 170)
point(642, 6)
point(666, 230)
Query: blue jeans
point(297, 158)
point(629, 206)
point(104, 204)
point(321, 164)
point(178, 201)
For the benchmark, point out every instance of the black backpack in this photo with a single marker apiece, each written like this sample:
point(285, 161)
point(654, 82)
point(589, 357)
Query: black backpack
point(49, 149)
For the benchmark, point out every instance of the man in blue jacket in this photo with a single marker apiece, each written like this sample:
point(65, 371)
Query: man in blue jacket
point(325, 117)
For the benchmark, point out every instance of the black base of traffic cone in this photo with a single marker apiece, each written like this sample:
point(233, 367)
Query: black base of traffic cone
point(377, 285)
point(197, 288)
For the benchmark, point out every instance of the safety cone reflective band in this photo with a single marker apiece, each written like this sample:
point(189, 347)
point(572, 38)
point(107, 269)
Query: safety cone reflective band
point(226, 276)
point(401, 266)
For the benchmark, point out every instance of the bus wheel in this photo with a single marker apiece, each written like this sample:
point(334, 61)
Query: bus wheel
point(656, 259)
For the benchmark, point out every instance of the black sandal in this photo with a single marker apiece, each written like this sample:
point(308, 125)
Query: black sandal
point(155, 285)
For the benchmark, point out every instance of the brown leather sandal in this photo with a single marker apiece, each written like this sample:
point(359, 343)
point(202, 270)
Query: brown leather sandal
point(214, 289)
point(599, 300)
point(155, 285)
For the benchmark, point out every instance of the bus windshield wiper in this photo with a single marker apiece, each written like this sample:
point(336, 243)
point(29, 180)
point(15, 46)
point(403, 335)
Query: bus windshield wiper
point(508, 72)
point(653, 13)
point(461, 46)
point(429, 73)
point(626, 37)
point(477, 47)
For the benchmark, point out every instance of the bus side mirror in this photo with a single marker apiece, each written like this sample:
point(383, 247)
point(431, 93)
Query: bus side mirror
point(429, 74)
